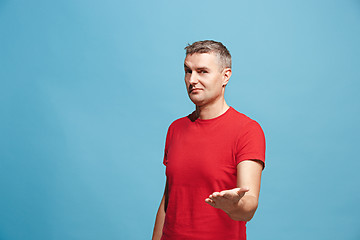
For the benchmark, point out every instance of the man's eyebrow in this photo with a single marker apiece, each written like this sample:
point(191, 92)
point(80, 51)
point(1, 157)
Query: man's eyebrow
point(202, 68)
point(197, 68)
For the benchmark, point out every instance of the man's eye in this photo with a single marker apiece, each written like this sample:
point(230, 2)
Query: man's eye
point(203, 71)
point(187, 71)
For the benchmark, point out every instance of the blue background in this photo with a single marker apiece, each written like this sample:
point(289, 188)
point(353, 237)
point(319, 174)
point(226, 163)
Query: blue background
point(88, 89)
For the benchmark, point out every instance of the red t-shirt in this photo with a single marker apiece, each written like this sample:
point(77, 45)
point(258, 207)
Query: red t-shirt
point(201, 157)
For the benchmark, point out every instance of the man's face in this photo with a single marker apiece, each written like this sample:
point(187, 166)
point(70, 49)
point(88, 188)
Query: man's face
point(205, 80)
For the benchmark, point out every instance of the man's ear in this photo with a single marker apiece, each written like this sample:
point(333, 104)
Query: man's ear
point(226, 76)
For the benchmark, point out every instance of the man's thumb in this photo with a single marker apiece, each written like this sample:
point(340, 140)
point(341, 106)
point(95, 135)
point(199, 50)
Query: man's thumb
point(241, 191)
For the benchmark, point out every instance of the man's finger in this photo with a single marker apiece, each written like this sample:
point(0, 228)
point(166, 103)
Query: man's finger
point(215, 195)
point(242, 191)
point(210, 202)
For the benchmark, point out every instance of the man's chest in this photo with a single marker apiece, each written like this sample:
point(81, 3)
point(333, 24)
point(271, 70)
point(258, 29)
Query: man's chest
point(200, 155)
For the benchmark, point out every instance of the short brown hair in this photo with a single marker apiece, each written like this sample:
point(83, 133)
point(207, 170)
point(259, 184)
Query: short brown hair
point(210, 46)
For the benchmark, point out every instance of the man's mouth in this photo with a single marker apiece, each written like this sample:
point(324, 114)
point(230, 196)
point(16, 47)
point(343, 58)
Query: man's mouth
point(191, 89)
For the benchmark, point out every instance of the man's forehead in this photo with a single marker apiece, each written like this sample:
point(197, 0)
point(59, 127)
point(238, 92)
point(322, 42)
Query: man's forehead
point(200, 60)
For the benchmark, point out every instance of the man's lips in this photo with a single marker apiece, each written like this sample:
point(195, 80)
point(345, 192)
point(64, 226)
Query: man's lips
point(194, 89)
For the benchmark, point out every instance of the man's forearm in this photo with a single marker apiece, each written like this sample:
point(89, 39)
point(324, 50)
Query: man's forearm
point(245, 209)
point(159, 221)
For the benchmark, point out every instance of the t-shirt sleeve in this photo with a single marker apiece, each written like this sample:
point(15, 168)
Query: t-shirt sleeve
point(251, 143)
point(168, 136)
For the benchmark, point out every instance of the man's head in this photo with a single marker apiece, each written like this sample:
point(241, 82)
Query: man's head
point(210, 46)
point(207, 68)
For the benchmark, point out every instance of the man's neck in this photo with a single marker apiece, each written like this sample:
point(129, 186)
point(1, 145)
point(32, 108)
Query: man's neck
point(212, 110)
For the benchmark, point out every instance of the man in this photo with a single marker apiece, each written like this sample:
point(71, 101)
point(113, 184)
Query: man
point(214, 157)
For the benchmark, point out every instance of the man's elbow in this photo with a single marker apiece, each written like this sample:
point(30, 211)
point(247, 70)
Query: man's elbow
point(243, 217)
point(246, 213)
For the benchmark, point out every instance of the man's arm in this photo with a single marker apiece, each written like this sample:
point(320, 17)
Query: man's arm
point(240, 203)
point(160, 217)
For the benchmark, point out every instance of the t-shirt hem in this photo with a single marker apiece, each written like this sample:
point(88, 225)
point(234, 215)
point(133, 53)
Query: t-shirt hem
point(252, 157)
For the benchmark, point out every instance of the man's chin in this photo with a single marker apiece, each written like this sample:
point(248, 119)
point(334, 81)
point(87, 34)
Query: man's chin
point(197, 102)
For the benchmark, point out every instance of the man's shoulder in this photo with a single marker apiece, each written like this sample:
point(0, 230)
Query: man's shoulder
point(180, 122)
point(235, 118)
point(240, 118)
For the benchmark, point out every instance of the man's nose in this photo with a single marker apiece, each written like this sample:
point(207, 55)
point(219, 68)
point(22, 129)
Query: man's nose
point(193, 78)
